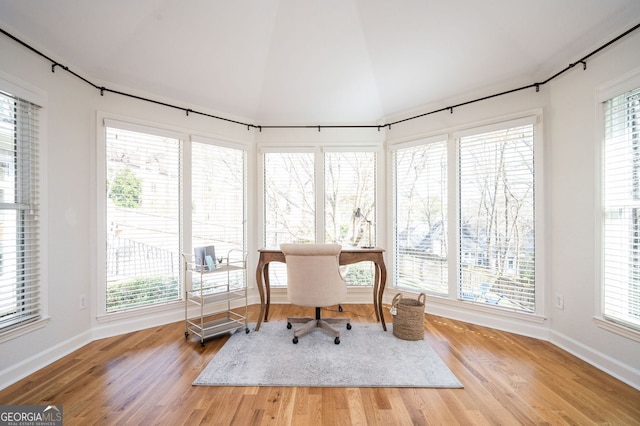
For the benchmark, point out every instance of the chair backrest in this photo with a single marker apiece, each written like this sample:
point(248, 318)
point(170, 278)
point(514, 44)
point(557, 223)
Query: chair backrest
point(313, 274)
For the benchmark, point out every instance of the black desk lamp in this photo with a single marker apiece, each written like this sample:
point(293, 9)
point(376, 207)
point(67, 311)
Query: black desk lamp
point(358, 213)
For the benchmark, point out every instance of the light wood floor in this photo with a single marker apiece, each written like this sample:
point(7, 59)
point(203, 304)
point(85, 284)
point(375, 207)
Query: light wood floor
point(145, 378)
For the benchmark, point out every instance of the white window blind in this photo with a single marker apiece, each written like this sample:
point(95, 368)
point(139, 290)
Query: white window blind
point(289, 198)
point(143, 199)
point(496, 222)
point(218, 176)
point(349, 185)
point(420, 212)
point(19, 209)
point(621, 189)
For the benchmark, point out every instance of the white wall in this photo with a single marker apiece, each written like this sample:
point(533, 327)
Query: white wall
point(568, 105)
point(572, 187)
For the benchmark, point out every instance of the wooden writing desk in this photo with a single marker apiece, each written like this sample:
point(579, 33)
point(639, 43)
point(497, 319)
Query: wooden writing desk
point(347, 257)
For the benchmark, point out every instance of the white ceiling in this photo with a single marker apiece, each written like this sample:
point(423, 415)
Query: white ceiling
point(316, 62)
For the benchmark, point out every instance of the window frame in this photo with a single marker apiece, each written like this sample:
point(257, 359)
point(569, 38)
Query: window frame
point(443, 138)
point(25, 91)
point(452, 135)
point(187, 139)
point(489, 128)
point(319, 151)
point(605, 92)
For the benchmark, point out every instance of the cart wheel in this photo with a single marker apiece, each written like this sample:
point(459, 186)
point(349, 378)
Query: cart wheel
point(337, 341)
point(289, 326)
point(186, 334)
point(348, 326)
point(295, 340)
point(246, 330)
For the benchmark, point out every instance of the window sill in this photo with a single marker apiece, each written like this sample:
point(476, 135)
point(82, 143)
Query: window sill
point(617, 329)
point(138, 312)
point(25, 329)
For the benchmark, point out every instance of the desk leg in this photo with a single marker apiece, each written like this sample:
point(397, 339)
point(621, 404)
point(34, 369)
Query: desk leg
point(267, 288)
point(260, 284)
point(383, 283)
point(376, 290)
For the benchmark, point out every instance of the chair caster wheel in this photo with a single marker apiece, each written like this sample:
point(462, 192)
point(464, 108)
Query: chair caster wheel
point(246, 330)
point(186, 334)
point(295, 340)
point(202, 344)
point(337, 341)
point(289, 326)
point(348, 326)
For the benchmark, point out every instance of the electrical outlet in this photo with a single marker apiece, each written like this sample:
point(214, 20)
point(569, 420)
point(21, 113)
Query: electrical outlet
point(83, 302)
point(558, 301)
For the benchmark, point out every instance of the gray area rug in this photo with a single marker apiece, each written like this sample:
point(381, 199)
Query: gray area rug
point(365, 357)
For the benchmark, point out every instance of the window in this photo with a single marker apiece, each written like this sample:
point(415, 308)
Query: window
point(621, 215)
point(218, 204)
point(491, 259)
point(496, 224)
point(349, 206)
point(160, 202)
point(297, 193)
point(20, 302)
point(349, 187)
point(143, 219)
point(420, 217)
point(289, 198)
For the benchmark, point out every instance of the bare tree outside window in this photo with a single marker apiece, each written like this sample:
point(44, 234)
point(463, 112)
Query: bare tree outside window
point(290, 199)
point(497, 222)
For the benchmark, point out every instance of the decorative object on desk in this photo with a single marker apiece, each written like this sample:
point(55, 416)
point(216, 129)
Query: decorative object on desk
point(370, 357)
point(201, 254)
point(358, 214)
point(408, 320)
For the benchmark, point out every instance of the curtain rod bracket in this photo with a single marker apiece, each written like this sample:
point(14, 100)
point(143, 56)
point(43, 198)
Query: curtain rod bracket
point(537, 87)
point(451, 110)
point(187, 111)
point(584, 65)
point(102, 91)
point(318, 129)
point(56, 64)
point(260, 129)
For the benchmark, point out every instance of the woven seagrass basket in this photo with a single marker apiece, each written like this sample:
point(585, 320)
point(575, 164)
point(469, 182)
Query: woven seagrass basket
point(408, 323)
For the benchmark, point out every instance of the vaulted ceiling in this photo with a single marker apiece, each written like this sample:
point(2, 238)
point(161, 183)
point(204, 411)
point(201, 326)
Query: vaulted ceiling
point(316, 62)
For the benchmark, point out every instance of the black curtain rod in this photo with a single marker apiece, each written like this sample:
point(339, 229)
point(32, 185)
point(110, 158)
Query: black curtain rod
point(249, 126)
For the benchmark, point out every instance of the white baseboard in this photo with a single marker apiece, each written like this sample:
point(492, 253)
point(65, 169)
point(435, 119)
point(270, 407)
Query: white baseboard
point(613, 367)
point(19, 371)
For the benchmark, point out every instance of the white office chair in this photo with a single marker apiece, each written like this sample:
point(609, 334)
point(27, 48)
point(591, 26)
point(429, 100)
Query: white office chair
point(314, 279)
